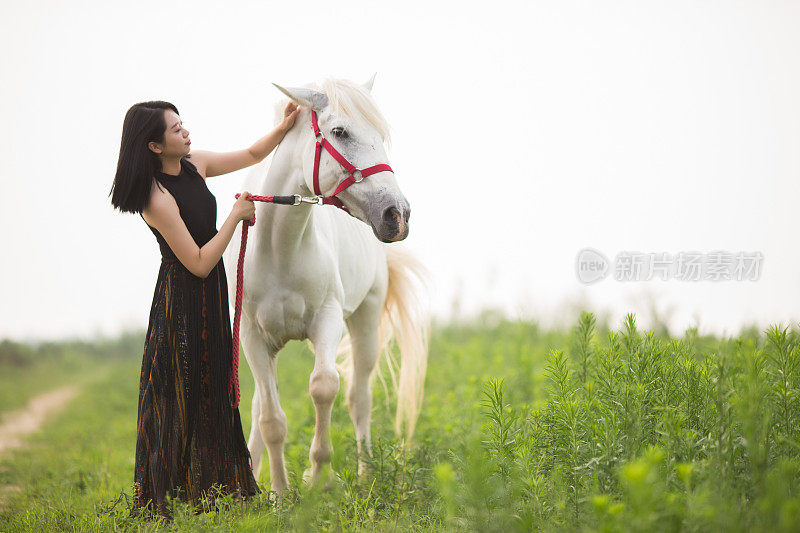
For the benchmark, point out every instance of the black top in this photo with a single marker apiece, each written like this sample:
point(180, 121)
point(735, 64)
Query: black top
point(196, 204)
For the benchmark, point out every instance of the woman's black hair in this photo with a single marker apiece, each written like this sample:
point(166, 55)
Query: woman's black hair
point(144, 122)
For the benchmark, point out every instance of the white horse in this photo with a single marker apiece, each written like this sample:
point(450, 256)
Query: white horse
point(311, 269)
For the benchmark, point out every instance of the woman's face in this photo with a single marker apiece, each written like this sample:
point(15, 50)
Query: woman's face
point(176, 137)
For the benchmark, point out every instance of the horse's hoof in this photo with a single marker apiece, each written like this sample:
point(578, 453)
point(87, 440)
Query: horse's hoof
point(279, 495)
point(366, 471)
point(325, 479)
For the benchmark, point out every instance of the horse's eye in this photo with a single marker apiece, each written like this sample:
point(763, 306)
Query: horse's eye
point(340, 132)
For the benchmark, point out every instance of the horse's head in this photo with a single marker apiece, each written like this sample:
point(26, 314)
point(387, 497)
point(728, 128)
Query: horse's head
point(350, 121)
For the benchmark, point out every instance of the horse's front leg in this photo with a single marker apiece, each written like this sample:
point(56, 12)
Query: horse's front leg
point(325, 332)
point(363, 326)
point(268, 425)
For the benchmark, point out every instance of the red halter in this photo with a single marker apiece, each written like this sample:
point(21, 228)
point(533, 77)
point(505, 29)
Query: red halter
point(295, 199)
point(349, 180)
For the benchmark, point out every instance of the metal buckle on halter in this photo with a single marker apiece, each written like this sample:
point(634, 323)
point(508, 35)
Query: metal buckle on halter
point(360, 177)
point(307, 199)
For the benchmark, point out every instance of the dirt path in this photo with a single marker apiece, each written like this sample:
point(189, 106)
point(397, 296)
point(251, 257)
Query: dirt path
point(18, 424)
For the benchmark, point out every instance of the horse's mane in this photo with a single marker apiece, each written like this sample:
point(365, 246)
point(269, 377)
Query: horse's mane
point(349, 100)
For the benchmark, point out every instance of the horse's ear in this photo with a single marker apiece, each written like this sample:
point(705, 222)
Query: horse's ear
point(370, 82)
point(305, 97)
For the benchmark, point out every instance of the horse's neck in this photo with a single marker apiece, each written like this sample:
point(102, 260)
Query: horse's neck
point(283, 227)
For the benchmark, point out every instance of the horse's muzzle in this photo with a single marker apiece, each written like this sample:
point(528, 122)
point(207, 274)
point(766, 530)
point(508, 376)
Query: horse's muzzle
point(393, 225)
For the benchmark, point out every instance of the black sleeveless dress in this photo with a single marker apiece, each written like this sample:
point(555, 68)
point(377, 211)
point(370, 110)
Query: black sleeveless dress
point(188, 436)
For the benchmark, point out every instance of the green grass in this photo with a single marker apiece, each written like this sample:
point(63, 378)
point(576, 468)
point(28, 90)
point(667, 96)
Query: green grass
point(522, 430)
point(26, 370)
point(21, 383)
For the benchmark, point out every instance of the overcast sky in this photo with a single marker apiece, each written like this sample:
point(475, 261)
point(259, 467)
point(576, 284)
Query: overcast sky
point(523, 132)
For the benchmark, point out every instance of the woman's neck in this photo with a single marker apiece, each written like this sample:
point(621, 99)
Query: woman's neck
point(170, 165)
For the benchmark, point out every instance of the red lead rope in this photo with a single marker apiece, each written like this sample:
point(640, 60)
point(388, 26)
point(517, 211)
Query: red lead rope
point(233, 387)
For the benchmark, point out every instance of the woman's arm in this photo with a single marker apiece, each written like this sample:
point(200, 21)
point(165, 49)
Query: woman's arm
point(215, 164)
point(162, 213)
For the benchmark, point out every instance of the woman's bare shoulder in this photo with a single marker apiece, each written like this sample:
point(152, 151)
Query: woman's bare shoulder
point(161, 204)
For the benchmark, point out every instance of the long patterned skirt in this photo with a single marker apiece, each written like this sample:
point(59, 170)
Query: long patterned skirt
point(188, 436)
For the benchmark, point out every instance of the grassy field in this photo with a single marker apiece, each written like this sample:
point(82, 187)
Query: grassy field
point(522, 430)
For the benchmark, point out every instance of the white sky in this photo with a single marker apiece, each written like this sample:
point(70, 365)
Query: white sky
point(522, 133)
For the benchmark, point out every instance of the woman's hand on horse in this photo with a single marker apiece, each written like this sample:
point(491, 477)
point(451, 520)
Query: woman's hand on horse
point(245, 209)
point(290, 113)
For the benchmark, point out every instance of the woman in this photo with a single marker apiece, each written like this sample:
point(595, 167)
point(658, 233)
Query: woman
point(188, 436)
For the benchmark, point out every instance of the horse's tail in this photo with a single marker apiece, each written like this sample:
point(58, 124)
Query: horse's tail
point(405, 317)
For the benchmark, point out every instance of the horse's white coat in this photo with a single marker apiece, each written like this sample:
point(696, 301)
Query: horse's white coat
point(310, 269)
